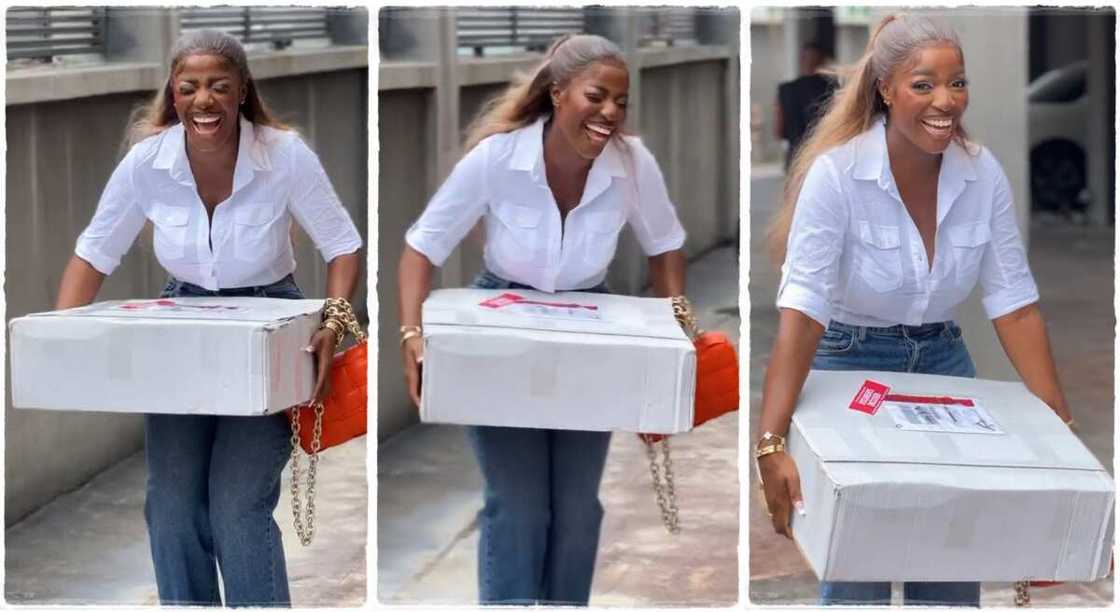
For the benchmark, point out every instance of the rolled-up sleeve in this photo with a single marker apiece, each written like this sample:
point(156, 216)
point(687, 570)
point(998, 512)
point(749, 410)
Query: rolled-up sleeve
point(816, 240)
point(454, 209)
point(316, 206)
point(1006, 282)
point(116, 222)
point(654, 218)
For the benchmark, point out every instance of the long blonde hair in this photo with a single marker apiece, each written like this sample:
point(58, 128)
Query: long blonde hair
point(158, 114)
point(856, 106)
point(528, 96)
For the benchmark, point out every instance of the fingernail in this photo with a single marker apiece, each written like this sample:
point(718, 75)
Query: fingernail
point(309, 349)
point(800, 507)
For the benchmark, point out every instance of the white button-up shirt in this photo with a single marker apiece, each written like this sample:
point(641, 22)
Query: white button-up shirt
point(248, 241)
point(503, 179)
point(854, 253)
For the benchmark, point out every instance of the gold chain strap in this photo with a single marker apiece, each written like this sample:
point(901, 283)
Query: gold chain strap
point(339, 309)
point(1022, 594)
point(665, 492)
point(305, 535)
point(682, 312)
point(664, 488)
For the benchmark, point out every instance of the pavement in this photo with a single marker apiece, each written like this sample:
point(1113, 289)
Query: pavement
point(90, 546)
point(430, 489)
point(1073, 267)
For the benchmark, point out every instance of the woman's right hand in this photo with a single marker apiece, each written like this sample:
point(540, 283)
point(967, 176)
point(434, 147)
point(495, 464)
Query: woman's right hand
point(413, 353)
point(782, 486)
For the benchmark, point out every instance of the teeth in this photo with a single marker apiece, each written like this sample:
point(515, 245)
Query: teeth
point(206, 119)
point(938, 123)
point(598, 129)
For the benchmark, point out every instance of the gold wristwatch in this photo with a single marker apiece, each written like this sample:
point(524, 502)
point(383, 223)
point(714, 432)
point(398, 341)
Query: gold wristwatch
point(769, 444)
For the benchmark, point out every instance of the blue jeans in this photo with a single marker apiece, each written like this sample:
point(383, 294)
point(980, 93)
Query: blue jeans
point(213, 484)
point(933, 348)
point(539, 525)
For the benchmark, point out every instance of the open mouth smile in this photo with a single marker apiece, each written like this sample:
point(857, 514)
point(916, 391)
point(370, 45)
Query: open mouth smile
point(599, 133)
point(940, 128)
point(206, 124)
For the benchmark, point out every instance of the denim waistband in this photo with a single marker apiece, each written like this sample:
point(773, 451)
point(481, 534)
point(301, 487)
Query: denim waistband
point(488, 280)
point(900, 331)
point(286, 285)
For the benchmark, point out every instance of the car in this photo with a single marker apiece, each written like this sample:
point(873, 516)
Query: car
point(1058, 132)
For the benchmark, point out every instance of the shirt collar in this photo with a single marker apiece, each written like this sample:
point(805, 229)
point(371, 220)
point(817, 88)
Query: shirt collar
point(528, 152)
point(872, 162)
point(252, 154)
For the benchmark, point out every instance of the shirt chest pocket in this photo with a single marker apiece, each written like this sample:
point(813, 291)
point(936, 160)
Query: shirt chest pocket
point(879, 264)
point(170, 229)
point(601, 236)
point(968, 242)
point(254, 232)
point(522, 236)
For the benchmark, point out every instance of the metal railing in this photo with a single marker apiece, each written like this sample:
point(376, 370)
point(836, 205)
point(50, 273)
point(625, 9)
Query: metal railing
point(529, 28)
point(48, 32)
point(668, 26)
point(279, 26)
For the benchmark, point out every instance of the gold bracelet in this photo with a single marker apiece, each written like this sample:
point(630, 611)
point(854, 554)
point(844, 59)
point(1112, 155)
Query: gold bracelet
point(769, 450)
point(406, 328)
point(338, 328)
point(410, 334)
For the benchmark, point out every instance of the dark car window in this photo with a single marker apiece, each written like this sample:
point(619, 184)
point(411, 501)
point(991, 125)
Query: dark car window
point(1060, 85)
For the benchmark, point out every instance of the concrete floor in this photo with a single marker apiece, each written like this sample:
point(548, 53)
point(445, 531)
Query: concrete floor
point(90, 546)
point(1073, 267)
point(429, 490)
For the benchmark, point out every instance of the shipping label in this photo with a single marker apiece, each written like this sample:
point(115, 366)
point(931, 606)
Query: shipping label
point(173, 308)
point(518, 304)
point(940, 414)
point(869, 397)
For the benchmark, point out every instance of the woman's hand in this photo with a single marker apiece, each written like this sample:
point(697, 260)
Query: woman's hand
point(322, 348)
point(414, 279)
point(1023, 335)
point(412, 351)
point(782, 487)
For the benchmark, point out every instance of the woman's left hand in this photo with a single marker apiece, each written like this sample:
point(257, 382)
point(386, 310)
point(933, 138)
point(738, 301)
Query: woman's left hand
point(322, 348)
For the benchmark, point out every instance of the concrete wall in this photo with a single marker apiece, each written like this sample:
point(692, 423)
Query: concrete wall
point(996, 65)
point(684, 105)
point(60, 154)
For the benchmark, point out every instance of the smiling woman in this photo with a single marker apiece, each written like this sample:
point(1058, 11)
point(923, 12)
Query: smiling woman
point(221, 180)
point(891, 216)
point(550, 171)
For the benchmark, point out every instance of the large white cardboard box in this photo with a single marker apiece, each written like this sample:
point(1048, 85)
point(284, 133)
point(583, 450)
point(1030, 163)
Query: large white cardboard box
point(932, 488)
point(189, 355)
point(571, 360)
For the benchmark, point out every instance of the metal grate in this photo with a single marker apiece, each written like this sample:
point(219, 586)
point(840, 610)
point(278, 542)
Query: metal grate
point(669, 26)
point(52, 31)
point(529, 28)
point(279, 26)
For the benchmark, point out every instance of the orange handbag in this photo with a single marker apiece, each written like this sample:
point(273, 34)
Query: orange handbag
point(717, 368)
point(341, 416)
point(344, 409)
point(717, 393)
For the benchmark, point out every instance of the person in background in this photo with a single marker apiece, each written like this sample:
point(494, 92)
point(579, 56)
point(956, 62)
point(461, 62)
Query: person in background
point(221, 179)
point(801, 101)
